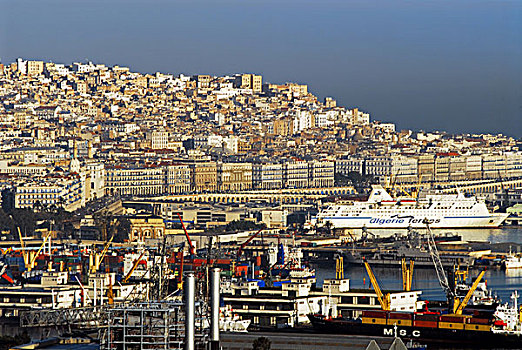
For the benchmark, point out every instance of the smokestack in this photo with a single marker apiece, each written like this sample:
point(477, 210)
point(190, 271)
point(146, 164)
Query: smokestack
point(214, 308)
point(190, 302)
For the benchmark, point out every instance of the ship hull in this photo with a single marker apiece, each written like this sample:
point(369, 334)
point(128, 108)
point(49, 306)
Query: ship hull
point(423, 335)
point(397, 222)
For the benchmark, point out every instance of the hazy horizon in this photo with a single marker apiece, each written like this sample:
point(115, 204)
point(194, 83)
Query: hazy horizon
point(452, 66)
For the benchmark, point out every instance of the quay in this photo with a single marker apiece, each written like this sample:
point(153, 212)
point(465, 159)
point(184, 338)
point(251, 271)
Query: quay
point(302, 340)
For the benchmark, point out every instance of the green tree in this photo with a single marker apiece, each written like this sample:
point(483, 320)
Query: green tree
point(262, 343)
point(243, 225)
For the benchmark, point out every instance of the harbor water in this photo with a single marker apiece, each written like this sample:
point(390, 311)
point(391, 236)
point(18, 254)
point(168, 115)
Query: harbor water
point(501, 282)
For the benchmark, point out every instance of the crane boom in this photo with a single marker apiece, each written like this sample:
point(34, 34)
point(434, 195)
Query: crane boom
point(465, 301)
point(134, 266)
point(191, 246)
point(103, 253)
point(441, 274)
point(384, 300)
point(240, 250)
point(22, 245)
point(33, 260)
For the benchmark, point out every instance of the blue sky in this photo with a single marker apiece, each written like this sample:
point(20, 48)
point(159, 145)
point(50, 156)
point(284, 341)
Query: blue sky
point(432, 65)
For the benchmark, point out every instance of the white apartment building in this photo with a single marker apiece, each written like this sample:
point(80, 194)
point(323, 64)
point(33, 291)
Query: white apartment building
point(59, 190)
point(178, 178)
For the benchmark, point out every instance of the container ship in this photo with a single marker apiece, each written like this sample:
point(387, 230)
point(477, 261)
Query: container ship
point(384, 212)
point(500, 330)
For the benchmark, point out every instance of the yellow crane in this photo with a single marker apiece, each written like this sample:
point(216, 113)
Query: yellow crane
point(134, 266)
point(407, 275)
point(29, 256)
point(339, 268)
point(32, 260)
point(459, 307)
point(99, 258)
point(384, 300)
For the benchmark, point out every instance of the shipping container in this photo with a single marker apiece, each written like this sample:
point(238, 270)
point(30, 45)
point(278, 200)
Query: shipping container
point(429, 324)
point(477, 327)
point(427, 317)
point(452, 318)
point(372, 320)
point(375, 313)
point(451, 325)
point(399, 322)
point(400, 315)
point(475, 320)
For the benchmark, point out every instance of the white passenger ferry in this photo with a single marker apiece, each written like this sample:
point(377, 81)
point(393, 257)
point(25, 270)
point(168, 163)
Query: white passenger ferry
point(382, 211)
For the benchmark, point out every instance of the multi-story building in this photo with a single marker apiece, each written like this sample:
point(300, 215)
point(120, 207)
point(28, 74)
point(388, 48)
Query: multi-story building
point(235, 176)
point(35, 67)
point(493, 166)
point(473, 167)
point(295, 174)
point(348, 165)
point(404, 169)
point(442, 168)
point(131, 181)
point(426, 165)
point(178, 178)
point(283, 126)
point(204, 177)
point(61, 190)
point(457, 168)
point(158, 139)
point(321, 173)
point(96, 180)
point(267, 176)
point(249, 81)
point(378, 166)
point(513, 164)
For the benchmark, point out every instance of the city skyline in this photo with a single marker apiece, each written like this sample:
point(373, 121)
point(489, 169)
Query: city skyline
point(396, 64)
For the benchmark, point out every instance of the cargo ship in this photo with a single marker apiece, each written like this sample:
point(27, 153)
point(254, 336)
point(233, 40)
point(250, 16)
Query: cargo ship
point(384, 212)
point(501, 329)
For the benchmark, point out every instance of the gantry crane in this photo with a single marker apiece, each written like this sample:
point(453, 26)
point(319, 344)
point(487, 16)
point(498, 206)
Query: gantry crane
point(384, 299)
point(407, 275)
point(458, 307)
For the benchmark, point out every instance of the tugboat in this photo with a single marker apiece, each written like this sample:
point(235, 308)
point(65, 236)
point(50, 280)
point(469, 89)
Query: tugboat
point(513, 261)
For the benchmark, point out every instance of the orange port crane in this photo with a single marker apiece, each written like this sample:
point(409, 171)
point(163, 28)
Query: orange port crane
point(191, 246)
point(240, 250)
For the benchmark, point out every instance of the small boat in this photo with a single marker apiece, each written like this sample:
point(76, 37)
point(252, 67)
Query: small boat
point(513, 261)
